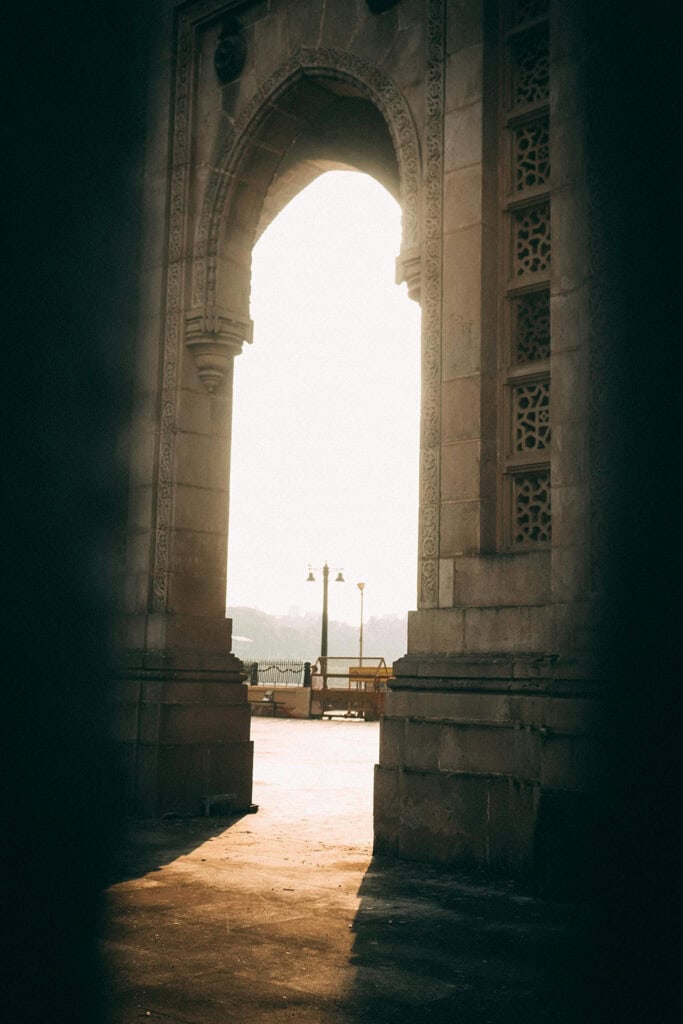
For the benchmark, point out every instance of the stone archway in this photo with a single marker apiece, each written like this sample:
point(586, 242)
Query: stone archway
point(490, 709)
point(321, 108)
point(275, 148)
point(217, 322)
point(294, 94)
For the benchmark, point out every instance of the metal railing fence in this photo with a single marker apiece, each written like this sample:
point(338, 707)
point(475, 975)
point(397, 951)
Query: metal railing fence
point(281, 671)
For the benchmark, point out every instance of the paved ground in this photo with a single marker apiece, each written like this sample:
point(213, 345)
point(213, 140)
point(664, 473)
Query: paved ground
point(283, 915)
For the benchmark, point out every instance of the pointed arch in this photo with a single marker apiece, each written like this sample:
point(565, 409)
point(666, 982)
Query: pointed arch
point(215, 334)
point(342, 74)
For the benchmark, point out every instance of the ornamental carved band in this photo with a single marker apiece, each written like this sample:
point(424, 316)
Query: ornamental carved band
point(431, 313)
point(234, 144)
point(214, 336)
point(184, 53)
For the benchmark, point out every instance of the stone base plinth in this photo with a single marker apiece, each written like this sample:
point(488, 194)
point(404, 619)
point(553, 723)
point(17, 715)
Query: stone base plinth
point(181, 735)
point(490, 763)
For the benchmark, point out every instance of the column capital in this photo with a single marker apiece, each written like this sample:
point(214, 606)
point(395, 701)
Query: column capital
point(409, 269)
point(215, 336)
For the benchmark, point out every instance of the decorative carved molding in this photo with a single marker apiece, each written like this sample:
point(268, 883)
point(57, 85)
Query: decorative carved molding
point(328, 63)
point(231, 52)
point(423, 272)
point(430, 455)
point(215, 337)
point(524, 432)
point(173, 299)
point(189, 19)
point(391, 102)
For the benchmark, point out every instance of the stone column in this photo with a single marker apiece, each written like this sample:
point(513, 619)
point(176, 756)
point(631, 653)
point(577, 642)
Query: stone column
point(488, 747)
point(180, 709)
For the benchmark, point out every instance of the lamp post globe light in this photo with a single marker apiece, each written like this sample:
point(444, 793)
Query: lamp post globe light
point(323, 636)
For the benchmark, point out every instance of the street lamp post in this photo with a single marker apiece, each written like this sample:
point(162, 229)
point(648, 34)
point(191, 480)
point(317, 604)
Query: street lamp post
point(323, 637)
point(361, 587)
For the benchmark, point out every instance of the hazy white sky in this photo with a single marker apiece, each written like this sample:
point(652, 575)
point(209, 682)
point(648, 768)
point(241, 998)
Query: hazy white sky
point(326, 410)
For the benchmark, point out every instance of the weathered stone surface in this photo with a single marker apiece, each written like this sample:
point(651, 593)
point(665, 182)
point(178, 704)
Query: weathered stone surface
point(435, 631)
point(464, 77)
point(463, 197)
point(463, 137)
point(201, 509)
point(460, 471)
point(518, 579)
point(491, 705)
point(462, 274)
point(392, 740)
point(181, 737)
point(422, 745)
point(215, 723)
point(477, 749)
point(513, 811)
point(387, 810)
point(446, 814)
point(218, 768)
point(460, 526)
point(522, 628)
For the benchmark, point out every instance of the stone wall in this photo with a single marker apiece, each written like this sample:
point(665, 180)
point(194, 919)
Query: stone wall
point(475, 750)
point(469, 114)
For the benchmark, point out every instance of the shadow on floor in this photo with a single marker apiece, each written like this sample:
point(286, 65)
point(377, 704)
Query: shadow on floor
point(431, 946)
point(145, 846)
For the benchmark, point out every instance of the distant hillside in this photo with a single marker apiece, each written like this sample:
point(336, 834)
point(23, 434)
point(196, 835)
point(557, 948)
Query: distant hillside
point(258, 636)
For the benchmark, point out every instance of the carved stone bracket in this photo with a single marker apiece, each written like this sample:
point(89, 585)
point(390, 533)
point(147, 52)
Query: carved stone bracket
point(409, 269)
point(214, 337)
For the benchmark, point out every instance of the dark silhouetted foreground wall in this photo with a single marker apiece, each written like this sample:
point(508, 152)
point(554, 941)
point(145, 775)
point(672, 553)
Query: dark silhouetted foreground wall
point(73, 103)
point(634, 94)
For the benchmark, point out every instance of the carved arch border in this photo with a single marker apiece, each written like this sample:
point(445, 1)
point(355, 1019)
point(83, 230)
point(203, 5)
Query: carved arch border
point(427, 243)
point(328, 63)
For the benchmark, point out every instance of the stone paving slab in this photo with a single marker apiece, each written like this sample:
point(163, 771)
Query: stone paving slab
point(284, 915)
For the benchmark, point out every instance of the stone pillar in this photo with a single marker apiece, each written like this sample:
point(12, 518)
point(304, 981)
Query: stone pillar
point(489, 762)
point(489, 743)
point(179, 705)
